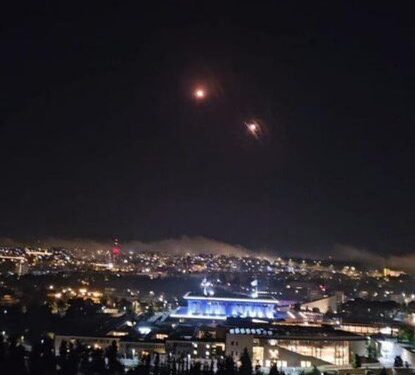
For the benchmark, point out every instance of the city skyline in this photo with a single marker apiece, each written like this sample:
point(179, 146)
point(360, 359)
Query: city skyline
point(207, 188)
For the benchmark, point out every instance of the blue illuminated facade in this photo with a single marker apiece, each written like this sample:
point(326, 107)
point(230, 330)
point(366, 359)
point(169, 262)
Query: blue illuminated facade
point(221, 308)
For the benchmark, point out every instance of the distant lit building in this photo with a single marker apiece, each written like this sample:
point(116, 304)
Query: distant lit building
point(387, 272)
point(227, 305)
point(95, 342)
point(295, 346)
point(326, 304)
point(369, 329)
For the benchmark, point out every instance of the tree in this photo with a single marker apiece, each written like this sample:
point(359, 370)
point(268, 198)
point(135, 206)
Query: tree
point(48, 357)
point(220, 367)
point(35, 365)
point(181, 364)
point(156, 364)
point(211, 370)
point(140, 369)
point(63, 357)
point(83, 359)
point(357, 363)
point(258, 369)
point(3, 354)
point(372, 350)
point(173, 367)
point(147, 364)
point(329, 313)
point(398, 361)
point(315, 371)
point(274, 370)
point(229, 366)
point(114, 365)
point(97, 365)
point(17, 358)
point(246, 363)
point(383, 371)
point(407, 334)
point(74, 359)
point(63, 349)
point(196, 369)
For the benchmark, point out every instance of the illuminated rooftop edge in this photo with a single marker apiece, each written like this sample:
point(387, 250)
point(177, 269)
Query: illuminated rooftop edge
point(187, 296)
point(190, 316)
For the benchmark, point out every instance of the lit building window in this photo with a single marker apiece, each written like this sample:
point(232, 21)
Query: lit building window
point(282, 363)
point(258, 354)
point(273, 353)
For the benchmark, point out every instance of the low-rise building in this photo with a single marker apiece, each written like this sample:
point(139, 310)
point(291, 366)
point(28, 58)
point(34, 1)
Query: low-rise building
point(295, 346)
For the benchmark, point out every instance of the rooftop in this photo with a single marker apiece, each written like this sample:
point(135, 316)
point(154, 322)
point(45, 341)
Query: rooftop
point(222, 295)
point(297, 332)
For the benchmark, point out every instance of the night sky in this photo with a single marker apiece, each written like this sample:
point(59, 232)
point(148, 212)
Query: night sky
point(101, 136)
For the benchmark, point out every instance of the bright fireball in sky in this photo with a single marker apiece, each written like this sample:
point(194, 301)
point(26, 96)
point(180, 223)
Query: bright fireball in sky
point(199, 93)
point(252, 127)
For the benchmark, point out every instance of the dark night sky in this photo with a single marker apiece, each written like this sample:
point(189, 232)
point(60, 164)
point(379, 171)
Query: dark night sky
point(100, 134)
